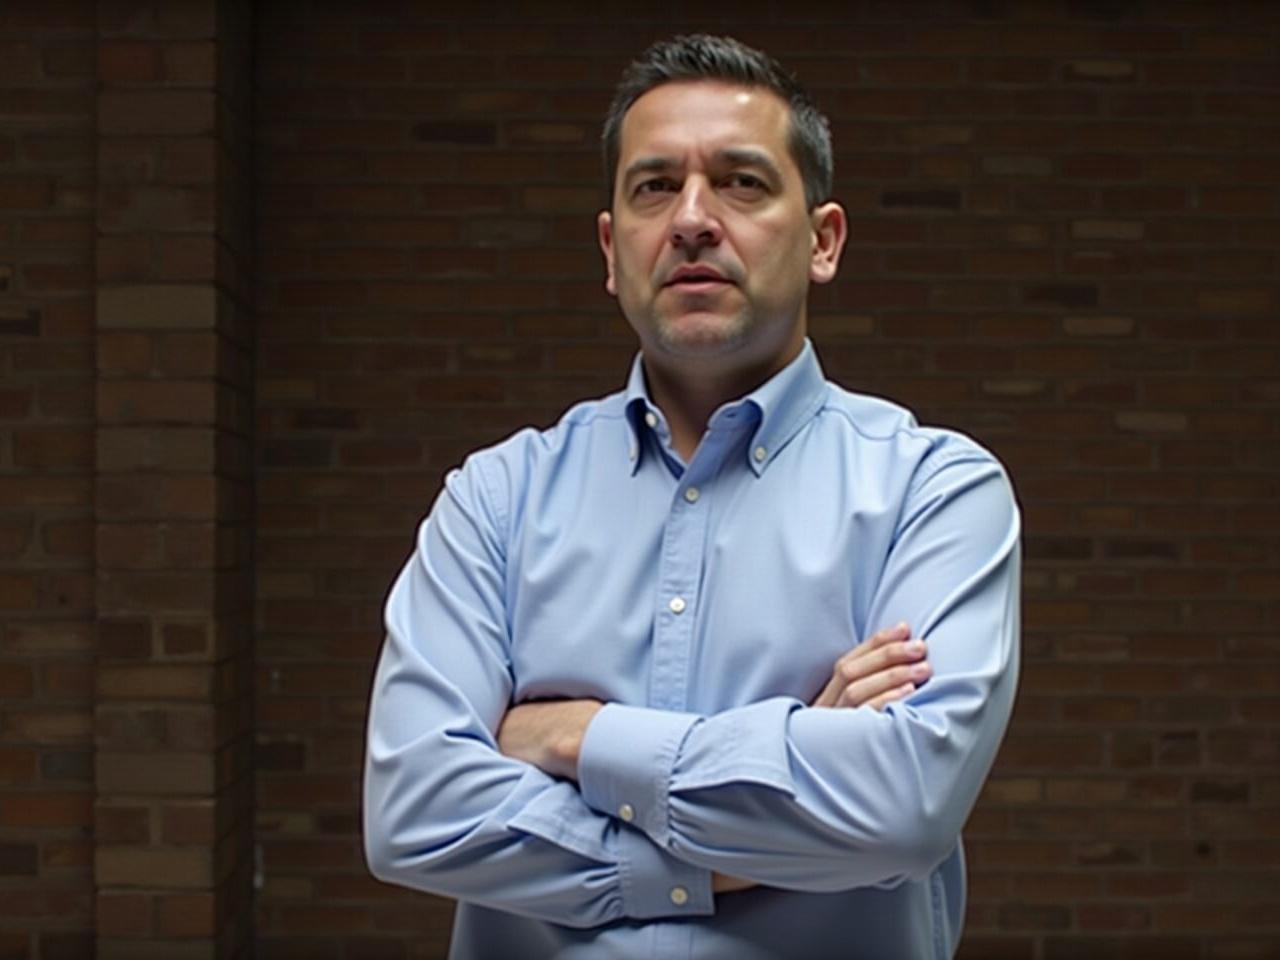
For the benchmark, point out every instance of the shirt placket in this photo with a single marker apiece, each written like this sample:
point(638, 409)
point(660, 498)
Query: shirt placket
point(680, 577)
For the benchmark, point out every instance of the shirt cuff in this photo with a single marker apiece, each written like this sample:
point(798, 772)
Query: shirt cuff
point(625, 764)
point(655, 884)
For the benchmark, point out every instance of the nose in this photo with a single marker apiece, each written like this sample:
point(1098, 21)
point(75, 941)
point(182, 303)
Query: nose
point(694, 223)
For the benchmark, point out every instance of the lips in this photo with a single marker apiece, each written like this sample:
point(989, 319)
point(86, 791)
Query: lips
point(695, 276)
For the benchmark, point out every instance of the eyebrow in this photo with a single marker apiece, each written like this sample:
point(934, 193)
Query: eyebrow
point(733, 156)
point(648, 165)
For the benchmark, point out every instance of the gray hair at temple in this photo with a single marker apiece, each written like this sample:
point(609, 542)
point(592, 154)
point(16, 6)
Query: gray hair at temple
point(703, 57)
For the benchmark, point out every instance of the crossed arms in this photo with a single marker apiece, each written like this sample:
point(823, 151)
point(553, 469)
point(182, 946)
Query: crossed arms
point(885, 668)
point(471, 797)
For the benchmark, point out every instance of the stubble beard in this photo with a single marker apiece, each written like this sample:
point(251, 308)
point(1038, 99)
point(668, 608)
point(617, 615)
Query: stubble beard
point(704, 333)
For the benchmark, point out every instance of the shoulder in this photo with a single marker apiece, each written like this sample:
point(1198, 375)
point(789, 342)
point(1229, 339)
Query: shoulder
point(888, 435)
point(530, 447)
point(501, 472)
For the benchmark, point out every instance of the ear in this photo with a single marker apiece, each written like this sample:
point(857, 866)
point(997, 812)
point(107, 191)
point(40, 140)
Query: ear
point(830, 231)
point(604, 235)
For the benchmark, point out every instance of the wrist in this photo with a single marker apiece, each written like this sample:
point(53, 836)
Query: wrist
point(567, 747)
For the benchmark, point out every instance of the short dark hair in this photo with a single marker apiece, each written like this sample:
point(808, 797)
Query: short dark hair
point(703, 57)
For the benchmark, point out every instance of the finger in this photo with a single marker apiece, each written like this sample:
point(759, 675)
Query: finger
point(858, 664)
point(891, 696)
point(891, 654)
point(853, 669)
point(895, 634)
point(868, 688)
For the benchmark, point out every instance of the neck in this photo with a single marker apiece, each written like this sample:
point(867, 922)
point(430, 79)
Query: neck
point(688, 398)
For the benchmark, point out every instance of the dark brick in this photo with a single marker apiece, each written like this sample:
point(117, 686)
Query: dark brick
point(1220, 791)
point(1070, 295)
point(921, 199)
point(456, 133)
point(21, 323)
point(19, 859)
point(67, 765)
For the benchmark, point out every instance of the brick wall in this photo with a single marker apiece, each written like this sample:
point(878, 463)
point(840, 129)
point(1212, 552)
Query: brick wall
point(46, 484)
point(174, 481)
point(1065, 220)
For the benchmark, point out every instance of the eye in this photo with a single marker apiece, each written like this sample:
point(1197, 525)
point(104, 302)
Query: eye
point(745, 183)
point(656, 185)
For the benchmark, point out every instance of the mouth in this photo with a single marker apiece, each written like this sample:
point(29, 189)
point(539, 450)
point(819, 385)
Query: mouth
point(697, 279)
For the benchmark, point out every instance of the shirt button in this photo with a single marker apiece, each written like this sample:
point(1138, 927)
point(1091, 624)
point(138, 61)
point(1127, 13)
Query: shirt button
point(691, 494)
point(677, 605)
point(760, 453)
point(626, 813)
point(679, 896)
point(632, 453)
point(651, 419)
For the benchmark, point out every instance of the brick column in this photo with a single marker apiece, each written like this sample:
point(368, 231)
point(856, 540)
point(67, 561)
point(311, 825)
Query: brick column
point(173, 811)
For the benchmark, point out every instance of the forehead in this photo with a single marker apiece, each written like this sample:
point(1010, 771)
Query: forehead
point(705, 115)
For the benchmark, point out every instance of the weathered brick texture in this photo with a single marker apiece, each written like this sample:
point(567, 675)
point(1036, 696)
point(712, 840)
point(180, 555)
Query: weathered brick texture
point(174, 829)
point(1064, 240)
point(46, 479)
point(370, 247)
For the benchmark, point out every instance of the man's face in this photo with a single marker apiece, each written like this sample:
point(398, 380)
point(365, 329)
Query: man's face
point(710, 248)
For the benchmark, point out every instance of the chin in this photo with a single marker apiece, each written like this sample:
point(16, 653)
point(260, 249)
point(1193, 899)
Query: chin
point(702, 335)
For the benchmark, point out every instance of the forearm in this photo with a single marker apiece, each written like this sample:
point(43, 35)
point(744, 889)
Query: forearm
point(823, 799)
point(792, 796)
point(550, 734)
point(445, 812)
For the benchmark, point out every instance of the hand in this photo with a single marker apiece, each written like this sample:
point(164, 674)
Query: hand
point(885, 668)
point(548, 734)
point(721, 883)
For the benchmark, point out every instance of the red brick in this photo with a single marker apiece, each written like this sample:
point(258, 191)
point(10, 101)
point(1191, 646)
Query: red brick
point(25, 194)
point(53, 449)
point(190, 63)
point(174, 401)
point(127, 62)
point(155, 113)
point(124, 353)
point(44, 810)
point(186, 916)
point(193, 822)
point(67, 680)
point(117, 824)
point(123, 914)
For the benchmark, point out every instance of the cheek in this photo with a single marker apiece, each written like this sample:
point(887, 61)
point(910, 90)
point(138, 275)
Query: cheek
point(783, 258)
point(634, 255)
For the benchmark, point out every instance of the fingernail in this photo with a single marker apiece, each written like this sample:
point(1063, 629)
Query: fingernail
point(921, 670)
point(915, 646)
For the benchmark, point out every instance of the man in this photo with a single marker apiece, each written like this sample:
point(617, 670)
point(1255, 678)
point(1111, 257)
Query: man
point(605, 718)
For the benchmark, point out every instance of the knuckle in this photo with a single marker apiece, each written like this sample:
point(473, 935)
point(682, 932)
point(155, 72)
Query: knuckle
point(887, 659)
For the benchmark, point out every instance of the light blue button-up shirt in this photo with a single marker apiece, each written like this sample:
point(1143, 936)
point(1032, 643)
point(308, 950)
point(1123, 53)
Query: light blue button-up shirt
point(706, 604)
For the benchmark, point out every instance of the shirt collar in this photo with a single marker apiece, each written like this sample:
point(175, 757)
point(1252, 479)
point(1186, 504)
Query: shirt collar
point(782, 404)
